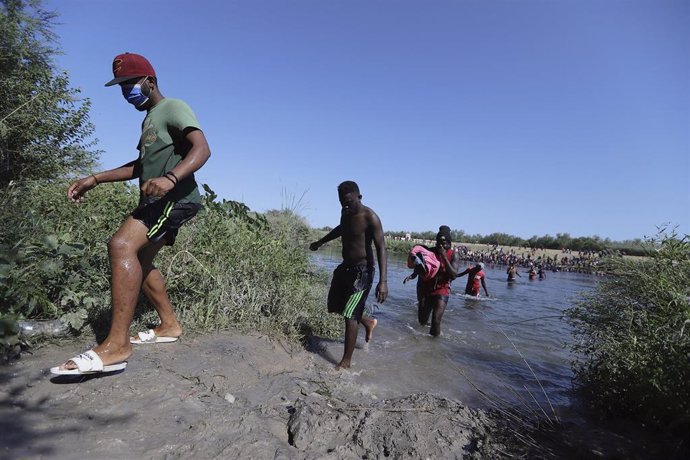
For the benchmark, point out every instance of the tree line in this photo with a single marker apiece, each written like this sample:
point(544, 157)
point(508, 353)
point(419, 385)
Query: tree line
point(561, 241)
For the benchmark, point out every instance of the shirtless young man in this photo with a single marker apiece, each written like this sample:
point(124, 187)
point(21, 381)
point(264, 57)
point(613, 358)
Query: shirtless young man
point(512, 271)
point(353, 278)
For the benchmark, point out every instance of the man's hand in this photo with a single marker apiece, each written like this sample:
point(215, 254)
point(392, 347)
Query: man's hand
point(440, 251)
point(314, 246)
point(77, 190)
point(381, 291)
point(158, 186)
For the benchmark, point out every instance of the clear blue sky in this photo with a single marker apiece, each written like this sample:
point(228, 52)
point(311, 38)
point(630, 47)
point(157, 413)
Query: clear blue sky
point(522, 117)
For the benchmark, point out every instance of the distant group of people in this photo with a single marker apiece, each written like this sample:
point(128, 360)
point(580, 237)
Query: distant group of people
point(583, 262)
point(567, 261)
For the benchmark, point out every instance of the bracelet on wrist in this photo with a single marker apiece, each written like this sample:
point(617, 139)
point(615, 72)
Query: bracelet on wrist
point(95, 178)
point(170, 173)
point(170, 179)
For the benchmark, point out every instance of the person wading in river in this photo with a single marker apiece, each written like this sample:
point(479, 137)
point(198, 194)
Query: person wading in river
point(433, 294)
point(352, 279)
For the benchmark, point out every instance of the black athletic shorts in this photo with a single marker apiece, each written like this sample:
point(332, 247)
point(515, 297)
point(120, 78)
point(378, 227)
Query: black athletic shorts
point(164, 217)
point(349, 290)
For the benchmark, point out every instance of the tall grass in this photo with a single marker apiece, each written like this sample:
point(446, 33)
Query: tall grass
point(229, 268)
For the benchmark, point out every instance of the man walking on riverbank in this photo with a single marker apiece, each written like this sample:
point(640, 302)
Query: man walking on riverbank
point(352, 280)
point(171, 148)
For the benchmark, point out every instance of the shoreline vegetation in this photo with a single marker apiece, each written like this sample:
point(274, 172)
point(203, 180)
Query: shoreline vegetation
point(248, 379)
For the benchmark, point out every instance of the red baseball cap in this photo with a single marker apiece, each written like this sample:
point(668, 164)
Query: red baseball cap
point(129, 65)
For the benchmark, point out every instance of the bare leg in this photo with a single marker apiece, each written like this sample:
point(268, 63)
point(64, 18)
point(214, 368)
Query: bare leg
point(125, 283)
point(439, 305)
point(154, 288)
point(424, 306)
point(369, 324)
point(351, 328)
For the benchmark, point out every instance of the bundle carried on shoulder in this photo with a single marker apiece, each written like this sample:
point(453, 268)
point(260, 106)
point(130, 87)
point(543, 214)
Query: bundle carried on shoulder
point(424, 261)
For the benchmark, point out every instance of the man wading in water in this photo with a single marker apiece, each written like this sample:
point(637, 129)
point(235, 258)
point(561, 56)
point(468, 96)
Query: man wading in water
point(433, 294)
point(352, 280)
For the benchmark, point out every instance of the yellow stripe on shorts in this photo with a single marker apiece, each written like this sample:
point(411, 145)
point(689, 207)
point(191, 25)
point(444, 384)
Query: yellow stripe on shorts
point(161, 219)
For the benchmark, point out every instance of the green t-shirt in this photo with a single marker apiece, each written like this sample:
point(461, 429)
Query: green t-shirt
point(163, 145)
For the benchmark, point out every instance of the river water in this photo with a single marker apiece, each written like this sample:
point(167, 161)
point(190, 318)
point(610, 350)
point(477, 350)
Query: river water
point(509, 345)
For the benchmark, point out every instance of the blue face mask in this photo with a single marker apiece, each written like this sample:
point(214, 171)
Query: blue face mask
point(135, 95)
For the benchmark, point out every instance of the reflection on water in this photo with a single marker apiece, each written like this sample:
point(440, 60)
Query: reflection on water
point(483, 341)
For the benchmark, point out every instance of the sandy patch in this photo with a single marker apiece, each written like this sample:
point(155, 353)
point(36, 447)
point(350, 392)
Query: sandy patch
point(222, 395)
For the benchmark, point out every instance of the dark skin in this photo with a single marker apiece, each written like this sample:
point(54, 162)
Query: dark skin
point(471, 272)
point(131, 253)
point(435, 305)
point(511, 272)
point(359, 228)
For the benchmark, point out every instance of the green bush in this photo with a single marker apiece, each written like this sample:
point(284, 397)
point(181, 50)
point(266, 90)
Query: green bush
point(53, 256)
point(399, 246)
point(633, 336)
point(228, 267)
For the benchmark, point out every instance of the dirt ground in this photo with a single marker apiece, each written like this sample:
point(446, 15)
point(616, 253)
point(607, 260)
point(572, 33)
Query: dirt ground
point(223, 395)
point(227, 395)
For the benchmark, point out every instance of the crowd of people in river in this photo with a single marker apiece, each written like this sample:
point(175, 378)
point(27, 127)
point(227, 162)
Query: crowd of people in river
point(583, 262)
point(493, 255)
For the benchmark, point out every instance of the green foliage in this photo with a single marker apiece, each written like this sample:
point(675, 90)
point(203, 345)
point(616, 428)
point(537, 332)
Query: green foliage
point(53, 258)
point(228, 268)
point(633, 336)
point(400, 246)
point(234, 272)
point(44, 127)
point(9, 333)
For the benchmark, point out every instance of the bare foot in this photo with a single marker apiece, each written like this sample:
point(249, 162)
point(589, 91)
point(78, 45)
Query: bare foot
point(108, 356)
point(163, 331)
point(342, 365)
point(168, 331)
point(369, 325)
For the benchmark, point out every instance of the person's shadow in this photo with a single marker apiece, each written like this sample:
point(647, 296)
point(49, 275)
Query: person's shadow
point(80, 378)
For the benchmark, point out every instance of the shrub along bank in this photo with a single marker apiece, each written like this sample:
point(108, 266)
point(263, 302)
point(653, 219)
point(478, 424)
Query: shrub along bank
point(633, 337)
point(228, 267)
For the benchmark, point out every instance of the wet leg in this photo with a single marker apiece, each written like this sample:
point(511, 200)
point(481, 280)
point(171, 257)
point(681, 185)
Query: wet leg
point(351, 328)
point(369, 324)
point(154, 288)
point(439, 307)
point(125, 284)
point(424, 306)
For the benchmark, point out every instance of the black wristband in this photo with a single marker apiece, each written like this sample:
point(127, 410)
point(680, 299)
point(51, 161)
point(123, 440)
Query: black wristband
point(173, 174)
point(168, 177)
